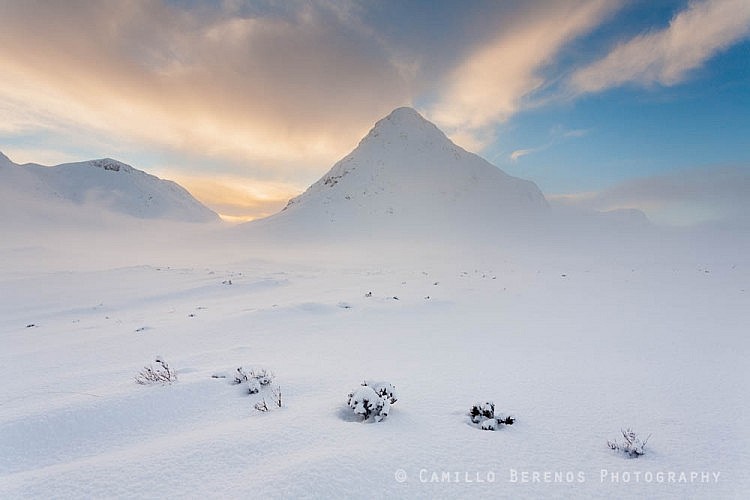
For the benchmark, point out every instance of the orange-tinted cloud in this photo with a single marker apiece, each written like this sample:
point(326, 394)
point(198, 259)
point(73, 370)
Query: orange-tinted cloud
point(276, 91)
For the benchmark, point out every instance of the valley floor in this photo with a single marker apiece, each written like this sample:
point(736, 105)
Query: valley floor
point(575, 348)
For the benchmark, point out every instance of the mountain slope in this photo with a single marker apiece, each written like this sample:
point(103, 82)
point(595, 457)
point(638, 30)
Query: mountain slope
point(100, 185)
point(406, 175)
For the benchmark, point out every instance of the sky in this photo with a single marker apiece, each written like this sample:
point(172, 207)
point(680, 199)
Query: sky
point(604, 104)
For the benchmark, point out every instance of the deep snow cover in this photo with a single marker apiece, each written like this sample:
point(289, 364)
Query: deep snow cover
point(575, 343)
point(578, 330)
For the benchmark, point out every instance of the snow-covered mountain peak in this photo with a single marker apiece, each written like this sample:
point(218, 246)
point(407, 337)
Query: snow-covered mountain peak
point(403, 114)
point(405, 174)
point(405, 120)
point(405, 130)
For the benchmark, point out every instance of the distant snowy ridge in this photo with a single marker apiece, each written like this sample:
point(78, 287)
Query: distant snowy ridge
point(407, 175)
point(103, 184)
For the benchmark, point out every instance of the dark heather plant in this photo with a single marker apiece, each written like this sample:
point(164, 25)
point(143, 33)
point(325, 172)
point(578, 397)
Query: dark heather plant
point(161, 373)
point(483, 414)
point(631, 444)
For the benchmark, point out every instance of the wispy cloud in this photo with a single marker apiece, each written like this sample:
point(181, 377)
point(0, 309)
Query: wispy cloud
point(558, 134)
point(677, 197)
point(667, 56)
point(515, 155)
point(276, 89)
point(38, 155)
point(491, 85)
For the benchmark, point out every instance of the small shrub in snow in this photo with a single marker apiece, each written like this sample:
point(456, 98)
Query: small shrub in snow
point(263, 376)
point(631, 444)
point(365, 402)
point(483, 414)
point(258, 382)
point(482, 411)
point(373, 400)
point(255, 378)
point(159, 374)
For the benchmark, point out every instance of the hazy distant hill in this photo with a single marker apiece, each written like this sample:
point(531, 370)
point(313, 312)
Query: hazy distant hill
point(103, 185)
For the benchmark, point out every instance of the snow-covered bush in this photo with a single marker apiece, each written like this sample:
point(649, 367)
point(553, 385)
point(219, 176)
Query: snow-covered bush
point(255, 378)
point(263, 376)
point(383, 389)
point(159, 374)
point(372, 400)
point(364, 401)
point(482, 411)
point(631, 444)
point(483, 414)
point(258, 382)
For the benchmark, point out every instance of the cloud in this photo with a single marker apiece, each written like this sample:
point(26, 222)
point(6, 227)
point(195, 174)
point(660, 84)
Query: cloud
point(558, 134)
point(42, 156)
point(491, 85)
point(681, 197)
point(515, 155)
point(667, 56)
point(278, 89)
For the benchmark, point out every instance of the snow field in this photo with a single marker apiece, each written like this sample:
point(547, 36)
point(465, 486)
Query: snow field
point(573, 348)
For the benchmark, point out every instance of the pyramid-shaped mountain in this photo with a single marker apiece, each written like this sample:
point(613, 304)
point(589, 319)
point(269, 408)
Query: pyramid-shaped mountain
point(407, 175)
